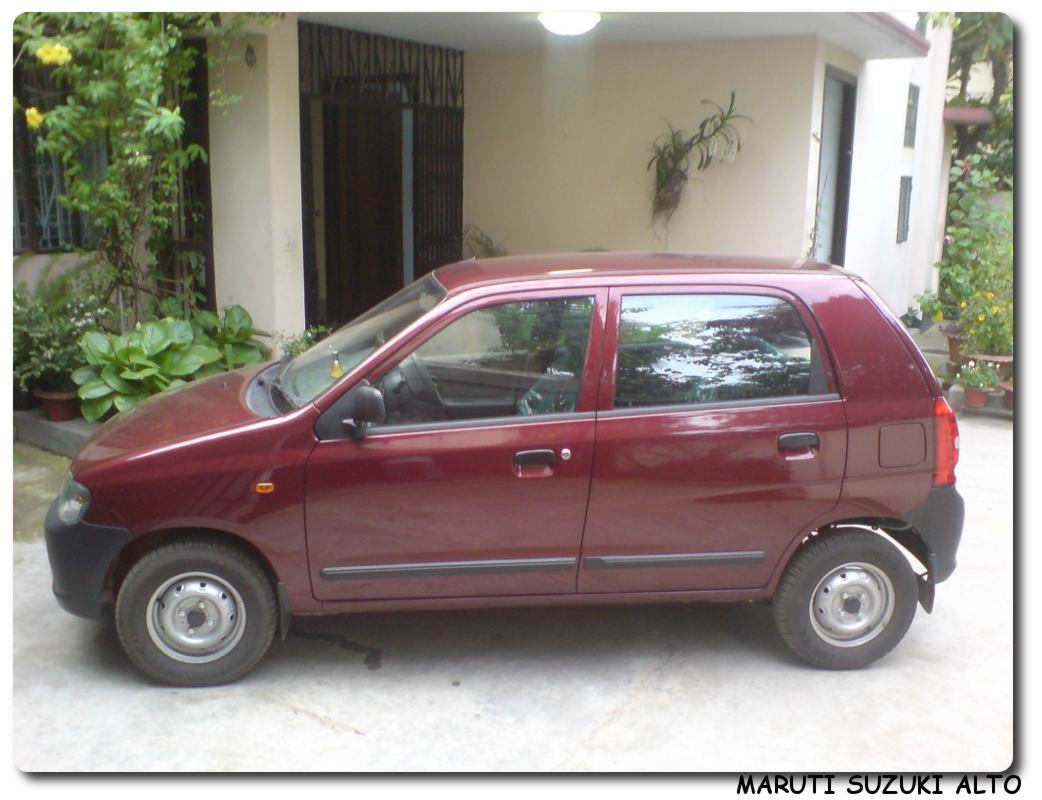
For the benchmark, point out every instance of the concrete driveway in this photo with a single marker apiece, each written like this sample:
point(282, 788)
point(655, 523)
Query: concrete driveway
point(679, 688)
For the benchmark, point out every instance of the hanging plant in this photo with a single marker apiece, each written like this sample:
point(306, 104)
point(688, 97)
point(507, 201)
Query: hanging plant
point(716, 140)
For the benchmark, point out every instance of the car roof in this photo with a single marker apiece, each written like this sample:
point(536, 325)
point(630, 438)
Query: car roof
point(473, 272)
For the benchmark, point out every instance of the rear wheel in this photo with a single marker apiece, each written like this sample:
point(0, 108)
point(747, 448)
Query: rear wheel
point(846, 600)
point(196, 613)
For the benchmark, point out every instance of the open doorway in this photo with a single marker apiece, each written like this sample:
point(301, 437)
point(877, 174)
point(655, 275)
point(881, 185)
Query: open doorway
point(837, 151)
point(363, 200)
point(382, 166)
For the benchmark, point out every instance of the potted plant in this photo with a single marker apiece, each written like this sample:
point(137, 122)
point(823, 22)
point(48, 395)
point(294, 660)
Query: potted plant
point(977, 378)
point(48, 337)
point(716, 139)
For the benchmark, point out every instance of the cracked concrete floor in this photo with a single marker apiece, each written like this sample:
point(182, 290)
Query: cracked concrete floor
point(679, 688)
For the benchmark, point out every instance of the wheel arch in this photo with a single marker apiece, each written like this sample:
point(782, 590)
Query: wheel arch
point(898, 531)
point(147, 542)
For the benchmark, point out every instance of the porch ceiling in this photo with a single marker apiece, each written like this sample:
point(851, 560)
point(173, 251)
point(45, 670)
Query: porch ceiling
point(868, 35)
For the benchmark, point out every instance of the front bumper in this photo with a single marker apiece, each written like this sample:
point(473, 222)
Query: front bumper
point(80, 557)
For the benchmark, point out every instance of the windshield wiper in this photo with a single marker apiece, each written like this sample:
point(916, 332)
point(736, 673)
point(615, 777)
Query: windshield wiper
point(278, 393)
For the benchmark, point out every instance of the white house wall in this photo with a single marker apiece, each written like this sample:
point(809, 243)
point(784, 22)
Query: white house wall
point(898, 271)
point(556, 144)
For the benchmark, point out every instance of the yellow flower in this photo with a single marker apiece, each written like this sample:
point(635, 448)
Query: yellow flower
point(980, 318)
point(994, 309)
point(963, 304)
point(991, 295)
point(33, 117)
point(55, 53)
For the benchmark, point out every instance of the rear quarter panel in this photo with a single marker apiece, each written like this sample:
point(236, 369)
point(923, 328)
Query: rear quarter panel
point(889, 404)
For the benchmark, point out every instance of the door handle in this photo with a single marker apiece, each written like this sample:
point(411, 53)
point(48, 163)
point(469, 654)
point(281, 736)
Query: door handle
point(802, 440)
point(535, 458)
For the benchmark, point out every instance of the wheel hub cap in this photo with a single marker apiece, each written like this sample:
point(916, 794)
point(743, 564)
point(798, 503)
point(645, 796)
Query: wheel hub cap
point(196, 617)
point(852, 604)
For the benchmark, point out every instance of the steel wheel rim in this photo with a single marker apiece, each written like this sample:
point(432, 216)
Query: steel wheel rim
point(852, 604)
point(195, 617)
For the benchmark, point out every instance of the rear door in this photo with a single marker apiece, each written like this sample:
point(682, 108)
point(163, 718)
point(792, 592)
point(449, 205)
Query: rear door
point(720, 437)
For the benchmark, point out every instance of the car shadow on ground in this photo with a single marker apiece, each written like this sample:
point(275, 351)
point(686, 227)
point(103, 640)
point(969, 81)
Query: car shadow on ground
point(421, 641)
point(567, 635)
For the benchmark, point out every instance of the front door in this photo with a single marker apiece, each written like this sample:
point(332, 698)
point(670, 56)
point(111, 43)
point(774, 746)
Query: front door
point(719, 440)
point(477, 483)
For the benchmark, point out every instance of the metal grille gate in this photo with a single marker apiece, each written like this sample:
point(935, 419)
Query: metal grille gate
point(356, 68)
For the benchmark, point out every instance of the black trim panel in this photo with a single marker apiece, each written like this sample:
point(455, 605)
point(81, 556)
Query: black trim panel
point(439, 568)
point(674, 560)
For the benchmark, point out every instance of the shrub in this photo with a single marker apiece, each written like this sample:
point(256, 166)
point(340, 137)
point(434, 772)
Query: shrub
point(46, 336)
point(293, 346)
point(976, 273)
point(122, 371)
point(978, 375)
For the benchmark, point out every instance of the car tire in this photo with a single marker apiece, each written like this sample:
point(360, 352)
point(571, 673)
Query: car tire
point(196, 612)
point(846, 600)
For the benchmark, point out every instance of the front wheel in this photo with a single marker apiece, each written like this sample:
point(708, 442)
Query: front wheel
point(846, 600)
point(196, 613)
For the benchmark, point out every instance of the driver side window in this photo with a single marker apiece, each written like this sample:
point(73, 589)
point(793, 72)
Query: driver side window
point(510, 359)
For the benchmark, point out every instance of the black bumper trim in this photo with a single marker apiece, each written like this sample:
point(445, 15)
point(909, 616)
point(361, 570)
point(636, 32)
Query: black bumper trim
point(939, 522)
point(80, 557)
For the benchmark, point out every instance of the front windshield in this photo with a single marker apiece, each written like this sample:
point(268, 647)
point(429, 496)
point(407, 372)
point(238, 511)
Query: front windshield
point(315, 370)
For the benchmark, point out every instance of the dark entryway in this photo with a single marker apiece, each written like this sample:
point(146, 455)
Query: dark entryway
point(362, 207)
point(382, 166)
point(837, 150)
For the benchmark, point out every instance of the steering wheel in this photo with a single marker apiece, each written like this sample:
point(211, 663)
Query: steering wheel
point(418, 380)
point(411, 393)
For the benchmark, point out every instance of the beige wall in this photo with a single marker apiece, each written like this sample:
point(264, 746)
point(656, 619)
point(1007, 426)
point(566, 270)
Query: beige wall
point(556, 142)
point(255, 173)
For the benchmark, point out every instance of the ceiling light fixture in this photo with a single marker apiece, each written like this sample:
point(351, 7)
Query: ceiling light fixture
point(569, 23)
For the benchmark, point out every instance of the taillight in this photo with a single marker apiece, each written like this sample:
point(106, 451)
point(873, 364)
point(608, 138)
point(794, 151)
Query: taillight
point(946, 443)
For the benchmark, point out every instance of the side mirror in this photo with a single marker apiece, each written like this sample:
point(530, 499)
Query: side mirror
point(365, 405)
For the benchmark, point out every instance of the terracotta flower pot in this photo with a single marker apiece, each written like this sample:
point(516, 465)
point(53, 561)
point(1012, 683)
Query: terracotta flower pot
point(57, 406)
point(975, 398)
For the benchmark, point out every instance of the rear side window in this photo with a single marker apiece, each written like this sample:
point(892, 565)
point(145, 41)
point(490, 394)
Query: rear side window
point(709, 348)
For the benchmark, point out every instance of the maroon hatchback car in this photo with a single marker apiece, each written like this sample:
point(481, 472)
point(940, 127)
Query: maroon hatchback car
point(569, 429)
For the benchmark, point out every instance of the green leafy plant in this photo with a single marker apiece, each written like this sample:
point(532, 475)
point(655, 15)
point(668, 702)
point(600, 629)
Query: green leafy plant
point(293, 346)
point(232, 335)
point(975, 284)
point(478, 244)
point(122, 79)
point(716, 139)
point(979, 375)
point(46, 333)
point(123, 370)
point(984, 38)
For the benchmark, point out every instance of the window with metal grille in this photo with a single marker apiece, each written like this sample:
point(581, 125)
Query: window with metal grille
point(904, 206)
point(911, 114)
point(42, 223)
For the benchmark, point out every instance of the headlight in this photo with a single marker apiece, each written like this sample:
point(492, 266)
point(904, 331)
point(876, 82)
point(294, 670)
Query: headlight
point(73, 501)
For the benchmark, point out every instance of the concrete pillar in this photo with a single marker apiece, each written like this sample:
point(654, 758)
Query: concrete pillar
point(255, 176)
